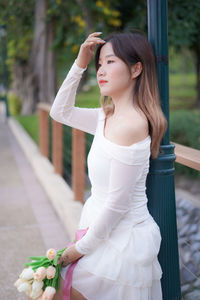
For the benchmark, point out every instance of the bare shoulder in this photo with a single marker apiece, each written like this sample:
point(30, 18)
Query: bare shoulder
point(133, 128)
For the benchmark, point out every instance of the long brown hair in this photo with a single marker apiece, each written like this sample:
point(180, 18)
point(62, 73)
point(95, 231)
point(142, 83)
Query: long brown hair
point(133, 47)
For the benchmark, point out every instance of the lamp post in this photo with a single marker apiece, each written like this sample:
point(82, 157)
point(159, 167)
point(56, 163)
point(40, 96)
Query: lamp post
point(160, 180)
point(3, 57)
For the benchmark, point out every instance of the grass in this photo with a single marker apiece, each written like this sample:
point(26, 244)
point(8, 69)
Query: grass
point(182, 92)
point(31, 125)
point(89, 98)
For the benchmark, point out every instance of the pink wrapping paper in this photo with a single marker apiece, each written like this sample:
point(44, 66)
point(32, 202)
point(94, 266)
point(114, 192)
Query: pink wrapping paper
point(68, 277)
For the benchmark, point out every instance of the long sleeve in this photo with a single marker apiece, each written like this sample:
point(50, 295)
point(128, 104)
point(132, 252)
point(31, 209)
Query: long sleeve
point(63, 109)
point(122, 181)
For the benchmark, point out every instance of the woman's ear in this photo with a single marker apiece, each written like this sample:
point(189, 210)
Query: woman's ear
point(136, 70)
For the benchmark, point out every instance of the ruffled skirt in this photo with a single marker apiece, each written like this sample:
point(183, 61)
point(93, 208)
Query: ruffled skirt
point(115, 272)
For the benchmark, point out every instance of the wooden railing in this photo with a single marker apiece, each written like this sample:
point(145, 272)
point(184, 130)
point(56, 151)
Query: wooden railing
point(187, 156)
point(184, 155)
point(78, 150)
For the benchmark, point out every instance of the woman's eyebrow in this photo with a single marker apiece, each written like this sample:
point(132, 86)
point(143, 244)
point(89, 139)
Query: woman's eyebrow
point(108, 55)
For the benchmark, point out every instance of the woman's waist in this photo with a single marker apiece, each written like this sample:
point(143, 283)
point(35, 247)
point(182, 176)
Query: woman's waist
point(133, 216)
point(102, 194)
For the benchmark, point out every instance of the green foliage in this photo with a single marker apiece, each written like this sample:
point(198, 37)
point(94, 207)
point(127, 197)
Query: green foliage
point(185, 130)
point(71, 22)
point(184, 23)
point(133, 14)
point(19, 50)
point(73, 19)
point(182, 79)
point(185, 127)
point(14, 104)
point(18, 18)
point(31, 125)
point(182, 91)
point(89, 98)
point(180, 61)
point(178, 80)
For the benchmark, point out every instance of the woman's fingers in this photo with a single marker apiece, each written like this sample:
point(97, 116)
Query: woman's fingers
point(86, 51)
point(64, 257)
point(93, 41)
point(94, 37)
point(94, 34)
point(63, 260)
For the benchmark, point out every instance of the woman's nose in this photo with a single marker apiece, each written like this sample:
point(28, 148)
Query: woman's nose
point(101, 71)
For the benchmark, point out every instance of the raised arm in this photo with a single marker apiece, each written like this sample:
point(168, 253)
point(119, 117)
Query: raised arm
point(63, 109)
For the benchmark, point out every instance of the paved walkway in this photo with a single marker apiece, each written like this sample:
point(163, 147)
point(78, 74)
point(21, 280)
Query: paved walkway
point(28, 223)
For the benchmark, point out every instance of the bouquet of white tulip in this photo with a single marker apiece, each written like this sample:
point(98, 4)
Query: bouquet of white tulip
point(40, 278)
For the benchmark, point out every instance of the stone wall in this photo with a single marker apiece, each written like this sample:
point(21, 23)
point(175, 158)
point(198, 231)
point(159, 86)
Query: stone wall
point(188, 225)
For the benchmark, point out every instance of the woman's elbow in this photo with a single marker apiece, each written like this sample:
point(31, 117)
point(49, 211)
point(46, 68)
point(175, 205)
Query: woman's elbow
point(60, 116)
point(54, 115)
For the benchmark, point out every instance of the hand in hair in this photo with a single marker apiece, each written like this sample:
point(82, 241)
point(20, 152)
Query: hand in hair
point(86, 51)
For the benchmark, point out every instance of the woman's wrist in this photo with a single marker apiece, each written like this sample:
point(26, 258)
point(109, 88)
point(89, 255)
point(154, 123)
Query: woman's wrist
point(81, 64)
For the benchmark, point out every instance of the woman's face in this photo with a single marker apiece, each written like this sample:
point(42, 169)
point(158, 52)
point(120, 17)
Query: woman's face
point(113, 75)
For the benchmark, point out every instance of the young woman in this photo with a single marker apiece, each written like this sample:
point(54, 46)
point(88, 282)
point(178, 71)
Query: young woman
point(117, 256)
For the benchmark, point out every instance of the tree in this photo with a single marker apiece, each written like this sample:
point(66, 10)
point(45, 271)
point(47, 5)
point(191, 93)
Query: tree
point(184, 24)
point(30, 58)
point(33, 42)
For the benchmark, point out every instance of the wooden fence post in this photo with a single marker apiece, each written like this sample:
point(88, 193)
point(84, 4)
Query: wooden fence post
point(57, 146)
point(43, 131)
point(78, 149)
point(78, 164)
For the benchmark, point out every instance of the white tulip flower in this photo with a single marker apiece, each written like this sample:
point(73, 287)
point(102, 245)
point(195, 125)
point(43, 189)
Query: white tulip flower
point(51, 272)
point(24, 287)
point(37, 285)
point(27, 274)
point(18, 282)
point(48, 293)
point(36, 293)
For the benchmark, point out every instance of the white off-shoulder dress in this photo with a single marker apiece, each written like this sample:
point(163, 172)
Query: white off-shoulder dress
point(123, 240)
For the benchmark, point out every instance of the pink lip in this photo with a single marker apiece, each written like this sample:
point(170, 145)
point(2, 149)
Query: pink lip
point(102, 82)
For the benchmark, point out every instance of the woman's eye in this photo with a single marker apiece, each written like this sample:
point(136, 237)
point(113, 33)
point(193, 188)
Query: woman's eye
point(110, 61)
point(99, 65)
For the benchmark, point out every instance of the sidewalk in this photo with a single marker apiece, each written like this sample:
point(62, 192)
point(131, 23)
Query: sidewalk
point(29, 224)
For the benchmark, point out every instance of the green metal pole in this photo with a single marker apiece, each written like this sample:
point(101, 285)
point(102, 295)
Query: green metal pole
point(160, 180)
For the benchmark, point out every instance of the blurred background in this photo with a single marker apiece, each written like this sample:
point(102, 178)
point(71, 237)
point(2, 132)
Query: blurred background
point(43, 39)
point(39, 41)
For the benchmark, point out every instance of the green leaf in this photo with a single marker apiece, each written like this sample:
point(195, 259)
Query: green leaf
point(32, 264)
point(62, 250)
point(59, 253)
point(57, 277)
point(37, 257)
point(55, 261)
